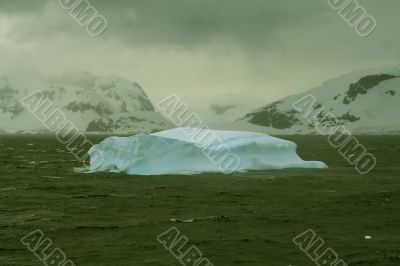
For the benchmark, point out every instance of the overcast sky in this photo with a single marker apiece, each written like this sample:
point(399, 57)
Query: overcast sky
point(205, 51)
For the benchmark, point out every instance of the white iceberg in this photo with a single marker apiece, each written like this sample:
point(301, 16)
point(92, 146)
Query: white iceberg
point(194, 150)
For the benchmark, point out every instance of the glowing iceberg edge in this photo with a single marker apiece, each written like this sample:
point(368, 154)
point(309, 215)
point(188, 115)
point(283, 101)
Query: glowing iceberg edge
point(194, 150)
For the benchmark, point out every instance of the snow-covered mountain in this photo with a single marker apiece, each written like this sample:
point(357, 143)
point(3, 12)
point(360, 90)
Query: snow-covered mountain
point(365, 102)
point(107, 104)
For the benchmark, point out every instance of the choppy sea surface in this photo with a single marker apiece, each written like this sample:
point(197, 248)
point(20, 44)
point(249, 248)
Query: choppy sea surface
point(240, 219)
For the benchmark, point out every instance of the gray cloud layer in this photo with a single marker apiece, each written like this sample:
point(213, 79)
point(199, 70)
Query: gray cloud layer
point(189, 23)
point(207, 49)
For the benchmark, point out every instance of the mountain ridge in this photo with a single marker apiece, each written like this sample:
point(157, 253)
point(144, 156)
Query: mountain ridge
point(119, 105)
point(363, 101)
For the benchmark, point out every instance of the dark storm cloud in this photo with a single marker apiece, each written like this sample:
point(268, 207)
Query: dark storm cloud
point(190, 23)
point(187, 23)
point(193, 22)
point(252, 24)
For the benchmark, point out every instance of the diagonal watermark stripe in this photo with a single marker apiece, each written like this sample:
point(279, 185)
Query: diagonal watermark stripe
point(355, 15)
point(86, 16)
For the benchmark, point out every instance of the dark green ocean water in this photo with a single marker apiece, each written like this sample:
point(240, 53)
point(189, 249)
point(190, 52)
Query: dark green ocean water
point(114, 219)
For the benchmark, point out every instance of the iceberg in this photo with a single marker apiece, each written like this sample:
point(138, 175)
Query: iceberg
point(195, 150)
